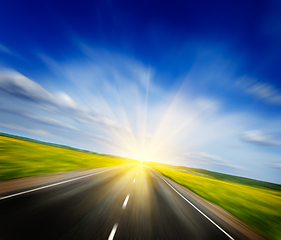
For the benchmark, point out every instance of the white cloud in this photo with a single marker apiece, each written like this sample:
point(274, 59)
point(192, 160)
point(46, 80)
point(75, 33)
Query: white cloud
point(259, 138)
point(40, 119)
point(33, 131)
point(276, 165)
point(24, 88)
point(260, 90)
point(206, 158)
point(21, 87)
point(117, 108)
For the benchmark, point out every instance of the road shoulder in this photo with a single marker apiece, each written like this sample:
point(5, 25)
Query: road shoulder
point(219, 212)
point(44, 179)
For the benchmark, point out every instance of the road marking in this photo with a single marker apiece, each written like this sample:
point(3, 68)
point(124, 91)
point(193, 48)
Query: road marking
point(111, 236)
point(197, 209)
point(52, 185)
point(126, 201)
point(134, 180)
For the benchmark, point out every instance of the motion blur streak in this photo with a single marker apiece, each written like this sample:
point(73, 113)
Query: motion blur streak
point(89, 208)
point(187, 83)
point(52, 185)
point(190, 88)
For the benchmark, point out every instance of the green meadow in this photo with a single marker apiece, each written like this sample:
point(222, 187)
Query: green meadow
point(254, 202)
point(258, 206)
point(22, 157)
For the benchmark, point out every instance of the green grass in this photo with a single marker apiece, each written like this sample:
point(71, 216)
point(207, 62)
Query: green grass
point(254, 202)
point(256, 206)
point(21, 157)
point(223, 177)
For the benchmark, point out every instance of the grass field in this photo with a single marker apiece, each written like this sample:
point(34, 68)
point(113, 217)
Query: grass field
point(20, 158)
point(224, 177)
point(258, 207)
point(254, 202)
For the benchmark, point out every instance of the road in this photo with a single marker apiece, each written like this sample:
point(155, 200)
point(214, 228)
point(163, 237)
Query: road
point(128, 202)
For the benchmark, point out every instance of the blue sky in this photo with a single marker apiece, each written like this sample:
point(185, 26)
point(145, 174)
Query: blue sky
point(194, 83)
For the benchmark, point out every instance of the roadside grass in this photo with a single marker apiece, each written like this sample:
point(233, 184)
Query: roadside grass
point(258, 207)
point(19, 158)
point(224, 177)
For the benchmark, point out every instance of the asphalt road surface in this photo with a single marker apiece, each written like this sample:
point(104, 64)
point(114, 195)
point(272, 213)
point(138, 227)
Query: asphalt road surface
point(128, 202)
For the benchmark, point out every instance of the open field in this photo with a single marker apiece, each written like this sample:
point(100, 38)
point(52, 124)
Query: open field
point(258, 207)
point(20, 158)
point(254, 202)
point(224, 177)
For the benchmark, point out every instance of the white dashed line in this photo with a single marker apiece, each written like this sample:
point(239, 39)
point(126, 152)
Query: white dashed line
point(111, 236)
point(126, 201)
